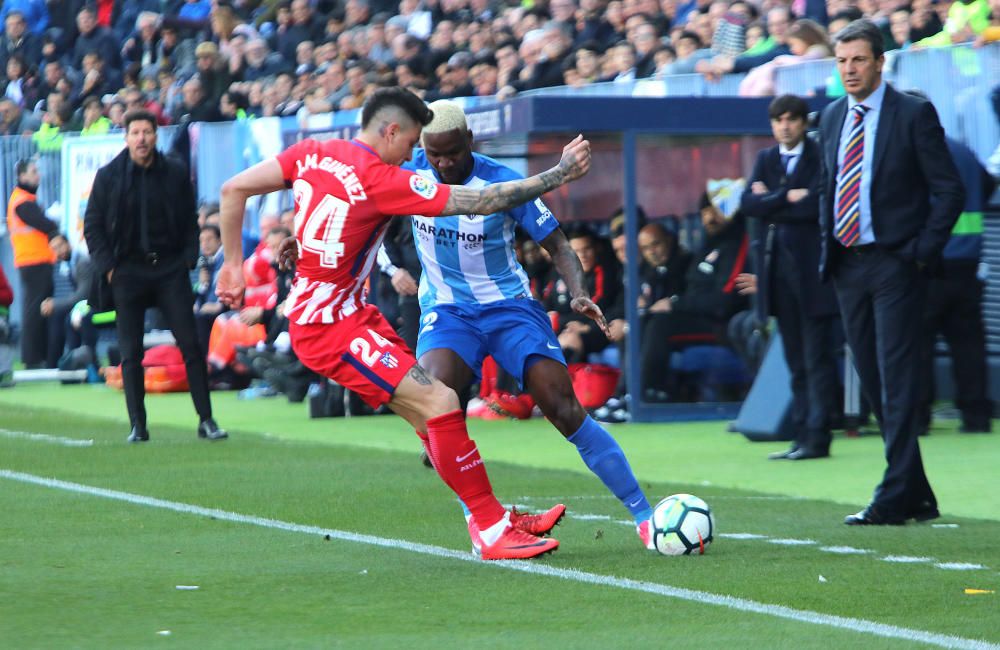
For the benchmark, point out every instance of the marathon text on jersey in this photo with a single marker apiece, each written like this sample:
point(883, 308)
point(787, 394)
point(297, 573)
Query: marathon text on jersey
point(448, 234)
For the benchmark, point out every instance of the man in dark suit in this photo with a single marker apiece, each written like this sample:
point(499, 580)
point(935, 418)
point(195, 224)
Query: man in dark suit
point(784, 195)
point(884, 160)
point(141, 228)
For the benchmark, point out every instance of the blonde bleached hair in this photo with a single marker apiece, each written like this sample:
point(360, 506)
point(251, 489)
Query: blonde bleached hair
point(448, 116)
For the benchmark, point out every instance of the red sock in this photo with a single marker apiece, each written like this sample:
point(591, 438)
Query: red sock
point(457, 462)
point(426, 442)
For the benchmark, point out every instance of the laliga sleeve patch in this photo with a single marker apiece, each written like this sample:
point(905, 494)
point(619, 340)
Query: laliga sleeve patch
point(423, 187)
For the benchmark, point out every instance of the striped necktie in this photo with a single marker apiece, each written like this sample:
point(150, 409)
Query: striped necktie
point(847, 224)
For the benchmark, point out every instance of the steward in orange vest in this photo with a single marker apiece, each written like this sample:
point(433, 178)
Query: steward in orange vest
point(30, 231)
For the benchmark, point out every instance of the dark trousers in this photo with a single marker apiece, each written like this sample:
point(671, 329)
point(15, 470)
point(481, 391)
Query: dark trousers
point(409, 314)
point(85, 335)
point(167, 286)
point(955, 310)
point(57, 323)
point(36, 286)
point(662, 333)
point(809, 353)
point(882, 302)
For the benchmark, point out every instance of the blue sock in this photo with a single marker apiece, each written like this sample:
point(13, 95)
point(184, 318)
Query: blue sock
point(605, 458)
point(465, 509)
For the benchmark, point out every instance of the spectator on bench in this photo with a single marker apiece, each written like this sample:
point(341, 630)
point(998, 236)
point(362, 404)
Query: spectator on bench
point(72, 281)
point(700, 313)
point(578, 335)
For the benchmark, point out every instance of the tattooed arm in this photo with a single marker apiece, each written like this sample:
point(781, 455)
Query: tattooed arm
point(498, 197)
point(568, 265)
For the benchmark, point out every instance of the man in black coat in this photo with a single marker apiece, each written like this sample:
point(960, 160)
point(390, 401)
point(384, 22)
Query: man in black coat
point(884, 160)
point(701, 311)
point(784, 195)
point(141, 227)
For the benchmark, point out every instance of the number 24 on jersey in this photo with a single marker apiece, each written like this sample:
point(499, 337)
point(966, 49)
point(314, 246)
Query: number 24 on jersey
point(324, 225)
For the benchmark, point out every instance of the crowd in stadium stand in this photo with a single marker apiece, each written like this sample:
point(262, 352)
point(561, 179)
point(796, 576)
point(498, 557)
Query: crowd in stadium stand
point(78, 66)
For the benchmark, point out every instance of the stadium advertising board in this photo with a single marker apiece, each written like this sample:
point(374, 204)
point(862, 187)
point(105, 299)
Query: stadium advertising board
point(81, 158)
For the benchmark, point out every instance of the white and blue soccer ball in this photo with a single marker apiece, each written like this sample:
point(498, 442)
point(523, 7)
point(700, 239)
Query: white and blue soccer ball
point(682, 524)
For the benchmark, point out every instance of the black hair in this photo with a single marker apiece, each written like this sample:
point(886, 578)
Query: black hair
point(21, 166)
point(237, 99)
point(690, 35)
point(863, 30)
point(849, 14)
point(139, 115)
point(399, 98)
point(579, 230)
point(214, 228)
point(788, 104)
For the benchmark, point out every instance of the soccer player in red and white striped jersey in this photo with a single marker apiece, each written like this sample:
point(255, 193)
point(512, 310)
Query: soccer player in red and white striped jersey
point(345, 193)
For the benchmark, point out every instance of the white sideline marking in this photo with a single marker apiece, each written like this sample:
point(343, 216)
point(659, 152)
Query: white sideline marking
point(844, 550)
point(906, 559)
point(730, 602)
point(44, 437)
point(593, 517)
point(959, 566)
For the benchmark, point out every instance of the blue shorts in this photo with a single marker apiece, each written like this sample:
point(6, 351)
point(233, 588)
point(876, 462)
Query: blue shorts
point(510, 331)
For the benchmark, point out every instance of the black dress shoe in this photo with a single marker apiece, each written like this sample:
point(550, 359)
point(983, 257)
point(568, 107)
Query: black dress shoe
point(976, 426)
point(139, 434)
point(806, 453)
point(872, 516)
point(210, 430)
point(924, 512)
point(782, 455)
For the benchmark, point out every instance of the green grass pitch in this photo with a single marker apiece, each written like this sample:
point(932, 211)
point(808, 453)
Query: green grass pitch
point(306, 533)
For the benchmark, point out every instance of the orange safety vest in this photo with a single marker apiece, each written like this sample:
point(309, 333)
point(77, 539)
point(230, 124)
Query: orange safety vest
point(30, 246)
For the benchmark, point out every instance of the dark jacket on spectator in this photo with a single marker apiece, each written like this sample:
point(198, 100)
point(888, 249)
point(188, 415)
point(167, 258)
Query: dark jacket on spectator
point(29, 47)
point(545, 74)
point(140, 51)
point(101, 40)
point(794, 227)
point(81, 279)
point(400, 248)
point(602, 282)
point(710, 282)
point(746, 63)
point(666, 280)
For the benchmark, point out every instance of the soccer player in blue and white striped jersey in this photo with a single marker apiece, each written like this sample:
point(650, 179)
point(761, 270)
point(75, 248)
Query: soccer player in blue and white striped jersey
point(475, 301)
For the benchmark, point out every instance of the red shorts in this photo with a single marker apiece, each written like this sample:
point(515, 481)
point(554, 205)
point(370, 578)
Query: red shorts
point(361, 353)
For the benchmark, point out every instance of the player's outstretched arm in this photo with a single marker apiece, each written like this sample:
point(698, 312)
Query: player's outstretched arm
point(498, 197)
point(262, 178)
point(568, 264)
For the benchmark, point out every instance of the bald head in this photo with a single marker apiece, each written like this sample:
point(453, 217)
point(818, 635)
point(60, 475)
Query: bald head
point(655, 244)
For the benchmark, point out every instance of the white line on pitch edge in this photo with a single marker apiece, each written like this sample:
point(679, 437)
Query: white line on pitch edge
point(44, 437)
point(839, 550)
point(730, 602)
